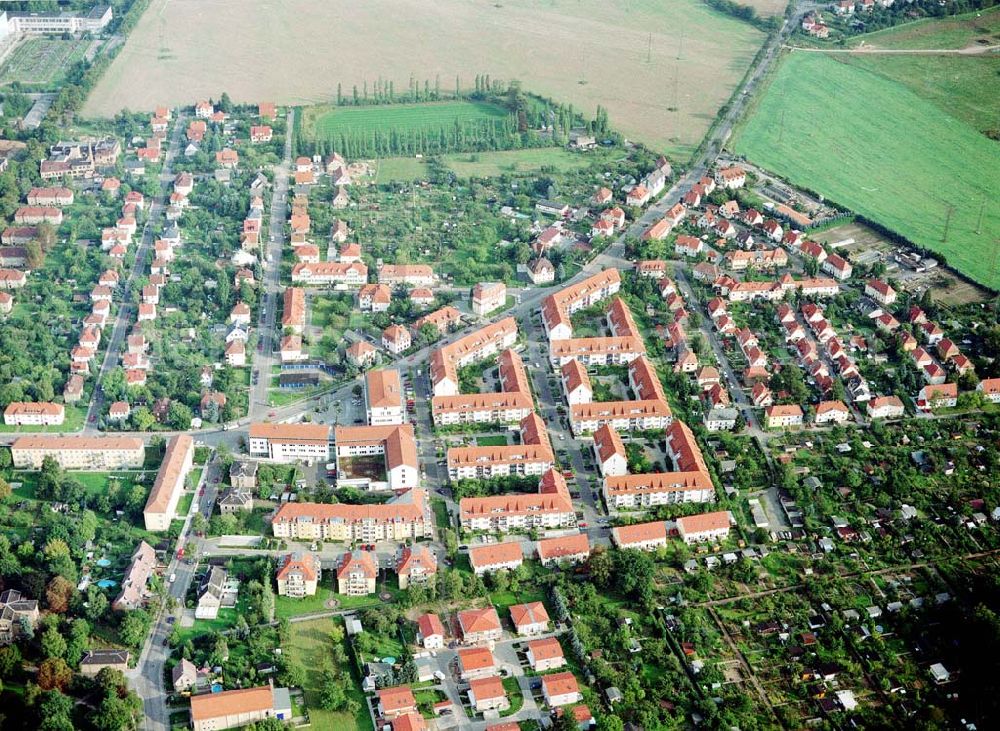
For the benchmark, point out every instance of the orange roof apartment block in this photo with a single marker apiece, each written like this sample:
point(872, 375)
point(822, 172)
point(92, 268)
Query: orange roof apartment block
point(177, 462)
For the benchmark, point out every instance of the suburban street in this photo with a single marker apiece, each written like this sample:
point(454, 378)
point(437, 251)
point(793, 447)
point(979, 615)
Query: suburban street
point(126, 309)
point(148, 675)
point(268, 335)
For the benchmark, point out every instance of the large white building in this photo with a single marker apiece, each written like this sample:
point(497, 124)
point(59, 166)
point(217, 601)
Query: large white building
point(395, 443)
point(289, 442)
point(93, 21)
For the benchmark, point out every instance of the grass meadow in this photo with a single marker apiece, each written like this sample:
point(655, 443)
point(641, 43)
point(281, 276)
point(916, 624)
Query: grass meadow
point(309, 647)
point(328, 122)
point(874, 145)
point(484, 164)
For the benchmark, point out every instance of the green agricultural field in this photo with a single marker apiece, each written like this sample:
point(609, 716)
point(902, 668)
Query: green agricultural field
point(875, 146)
point(954, 84)
point(41, 62)
point(326, 122)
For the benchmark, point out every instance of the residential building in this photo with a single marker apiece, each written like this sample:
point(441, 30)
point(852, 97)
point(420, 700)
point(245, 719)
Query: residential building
point(550, 508)
point(479, 625)
point(610, 452)
point(140, 568)
point(641, 536)
point(487, 694)
point(939, 396)
point(184, 676)
point(406, 275)
point(99, 454)
point(361, 354)
point(42, 413)
point(356, 573)
point(396, 702)
point(533, 456)
point(298, 574)
point(495, 557)
point(557, 308)
point(340, 275)
point(488, 296)
point(886, 407)
point(564, 549)
point(243, 474)
point(396, 339)
point(374, 297)
point(177, 463)
point(396, 443)
point(384, 398)
point(442, 320)
point(780, 416)
point(415, 565)
point(475, 662)
point(403, 518)
point(17, 614)
point(217, 590)
point(576, 383)
point(545, 654)
point(560, 689)
point(293, 315)
point(541, 271)
point(529, 619)
point(831, 411)
point(94, 661)
point(430, 631)
point(234, 708)
point(880, 291)
point(990, 388)
point(705, 526)
point(511, 405)
point(479, 345)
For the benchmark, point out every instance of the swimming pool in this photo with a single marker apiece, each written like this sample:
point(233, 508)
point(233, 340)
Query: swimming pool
point(104, 562)
point(107, 583)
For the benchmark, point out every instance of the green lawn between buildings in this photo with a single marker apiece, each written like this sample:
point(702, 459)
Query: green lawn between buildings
point(308, 646)
point(875, 146)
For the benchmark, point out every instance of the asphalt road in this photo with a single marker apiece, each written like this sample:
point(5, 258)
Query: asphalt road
point(268, 336)
point(127, 310)
point(148, 675)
